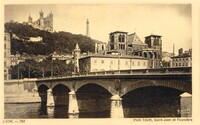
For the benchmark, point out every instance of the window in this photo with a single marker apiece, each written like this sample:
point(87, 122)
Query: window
point(119, 46)
point(111, 62)
point(138, 63)
point(111, 47)
point(4, 37)
point(120, 38)
point(144, 64)
point(102, 61)
point(133, 63)
point(95, 61)
point(112, 39)
point(123, 38)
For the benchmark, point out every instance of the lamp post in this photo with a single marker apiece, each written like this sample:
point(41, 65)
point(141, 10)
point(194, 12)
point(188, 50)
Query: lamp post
point(52, 68)
point(18, 71)
point(118, 62)
point(43, 72)
point(29, 73)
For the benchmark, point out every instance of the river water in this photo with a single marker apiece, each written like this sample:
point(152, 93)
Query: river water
point(37, 110)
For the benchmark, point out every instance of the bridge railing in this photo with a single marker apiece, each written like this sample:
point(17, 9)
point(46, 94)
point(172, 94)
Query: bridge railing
point(180, 70)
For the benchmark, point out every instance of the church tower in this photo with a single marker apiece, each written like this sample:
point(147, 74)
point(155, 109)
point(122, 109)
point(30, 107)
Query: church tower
point(87, 28)
point(30, 19)
point(77, 55)
point(41, 19)
point(51, 20)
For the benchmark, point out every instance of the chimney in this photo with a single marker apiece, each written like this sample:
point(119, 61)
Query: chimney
point(180, 52)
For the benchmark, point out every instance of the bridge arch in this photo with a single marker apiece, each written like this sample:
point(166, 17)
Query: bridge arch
point(93, 98)
point(42, 90)
point(68, 85)
point(61, 94)
point(174, 84)
point(106, 85)
point(43, 84)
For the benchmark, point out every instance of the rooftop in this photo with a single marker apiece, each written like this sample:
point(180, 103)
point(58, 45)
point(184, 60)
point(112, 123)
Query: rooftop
point(152, 35)
point(118, 32)
point(113, 56)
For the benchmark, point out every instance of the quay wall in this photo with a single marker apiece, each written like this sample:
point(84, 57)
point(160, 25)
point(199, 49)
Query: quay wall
point(21, 91)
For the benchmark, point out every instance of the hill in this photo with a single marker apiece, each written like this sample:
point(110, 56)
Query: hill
point(60, 42)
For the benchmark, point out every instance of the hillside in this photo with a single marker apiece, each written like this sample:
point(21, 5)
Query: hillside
point(60, 42)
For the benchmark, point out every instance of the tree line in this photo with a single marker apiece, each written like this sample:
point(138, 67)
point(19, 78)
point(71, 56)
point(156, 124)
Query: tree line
point(47, 68)
point(59, 42)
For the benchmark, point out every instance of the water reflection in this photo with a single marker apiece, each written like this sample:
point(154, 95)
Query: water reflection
point(136, 109)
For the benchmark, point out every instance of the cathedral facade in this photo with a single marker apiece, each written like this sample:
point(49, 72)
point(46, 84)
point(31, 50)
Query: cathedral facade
point(130, 44)
point(43, 23)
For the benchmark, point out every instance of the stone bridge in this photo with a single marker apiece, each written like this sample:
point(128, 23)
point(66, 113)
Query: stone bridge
point(116, 83)
point(107, 90)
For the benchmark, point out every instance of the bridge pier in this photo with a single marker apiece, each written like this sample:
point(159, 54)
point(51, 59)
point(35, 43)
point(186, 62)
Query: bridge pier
point(185, 105)
point(50, 112)
point(73, 104)
point(50, 100)
point(116, 107)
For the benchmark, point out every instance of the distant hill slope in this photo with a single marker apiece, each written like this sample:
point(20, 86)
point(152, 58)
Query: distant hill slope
point(60, 42)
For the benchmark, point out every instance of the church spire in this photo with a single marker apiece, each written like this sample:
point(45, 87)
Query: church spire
point(77, 55)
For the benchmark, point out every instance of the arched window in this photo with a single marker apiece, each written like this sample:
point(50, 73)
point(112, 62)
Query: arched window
point(123, 38)
point(102, 47)
point(120, 38)
point(112, 39)
point(150, 55)
point(155, 55)
point(145, 54)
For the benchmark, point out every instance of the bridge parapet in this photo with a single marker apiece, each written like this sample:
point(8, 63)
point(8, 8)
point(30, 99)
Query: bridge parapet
point(158, 71)
point(182, 70)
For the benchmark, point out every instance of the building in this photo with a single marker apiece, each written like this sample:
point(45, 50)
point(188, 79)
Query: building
point(67, 57)
point(166, 56)
point(118, 42)
point(94, 63)
point(134, 44)
point(183, 59)
point(7, 54)
point(100, 47)
point(43, 23)
point(131, 44)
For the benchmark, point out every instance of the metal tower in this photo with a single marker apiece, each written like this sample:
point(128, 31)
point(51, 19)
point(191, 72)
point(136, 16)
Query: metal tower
point(87, 28)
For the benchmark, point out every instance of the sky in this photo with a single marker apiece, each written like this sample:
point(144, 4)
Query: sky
point(172, 21)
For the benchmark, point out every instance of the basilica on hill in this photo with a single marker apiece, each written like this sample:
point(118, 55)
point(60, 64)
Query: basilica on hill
point(43, 23)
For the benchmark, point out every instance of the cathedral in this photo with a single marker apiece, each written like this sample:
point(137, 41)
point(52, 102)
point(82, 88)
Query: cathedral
point(43, 23)
point(130, 44)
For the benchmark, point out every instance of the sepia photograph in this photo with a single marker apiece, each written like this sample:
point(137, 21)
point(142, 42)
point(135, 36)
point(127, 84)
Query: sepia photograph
point(97, 61)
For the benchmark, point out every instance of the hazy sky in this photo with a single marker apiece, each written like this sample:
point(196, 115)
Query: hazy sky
point(172, 21)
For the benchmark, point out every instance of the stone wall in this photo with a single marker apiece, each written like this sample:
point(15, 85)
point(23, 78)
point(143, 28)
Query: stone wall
point(20, 91)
